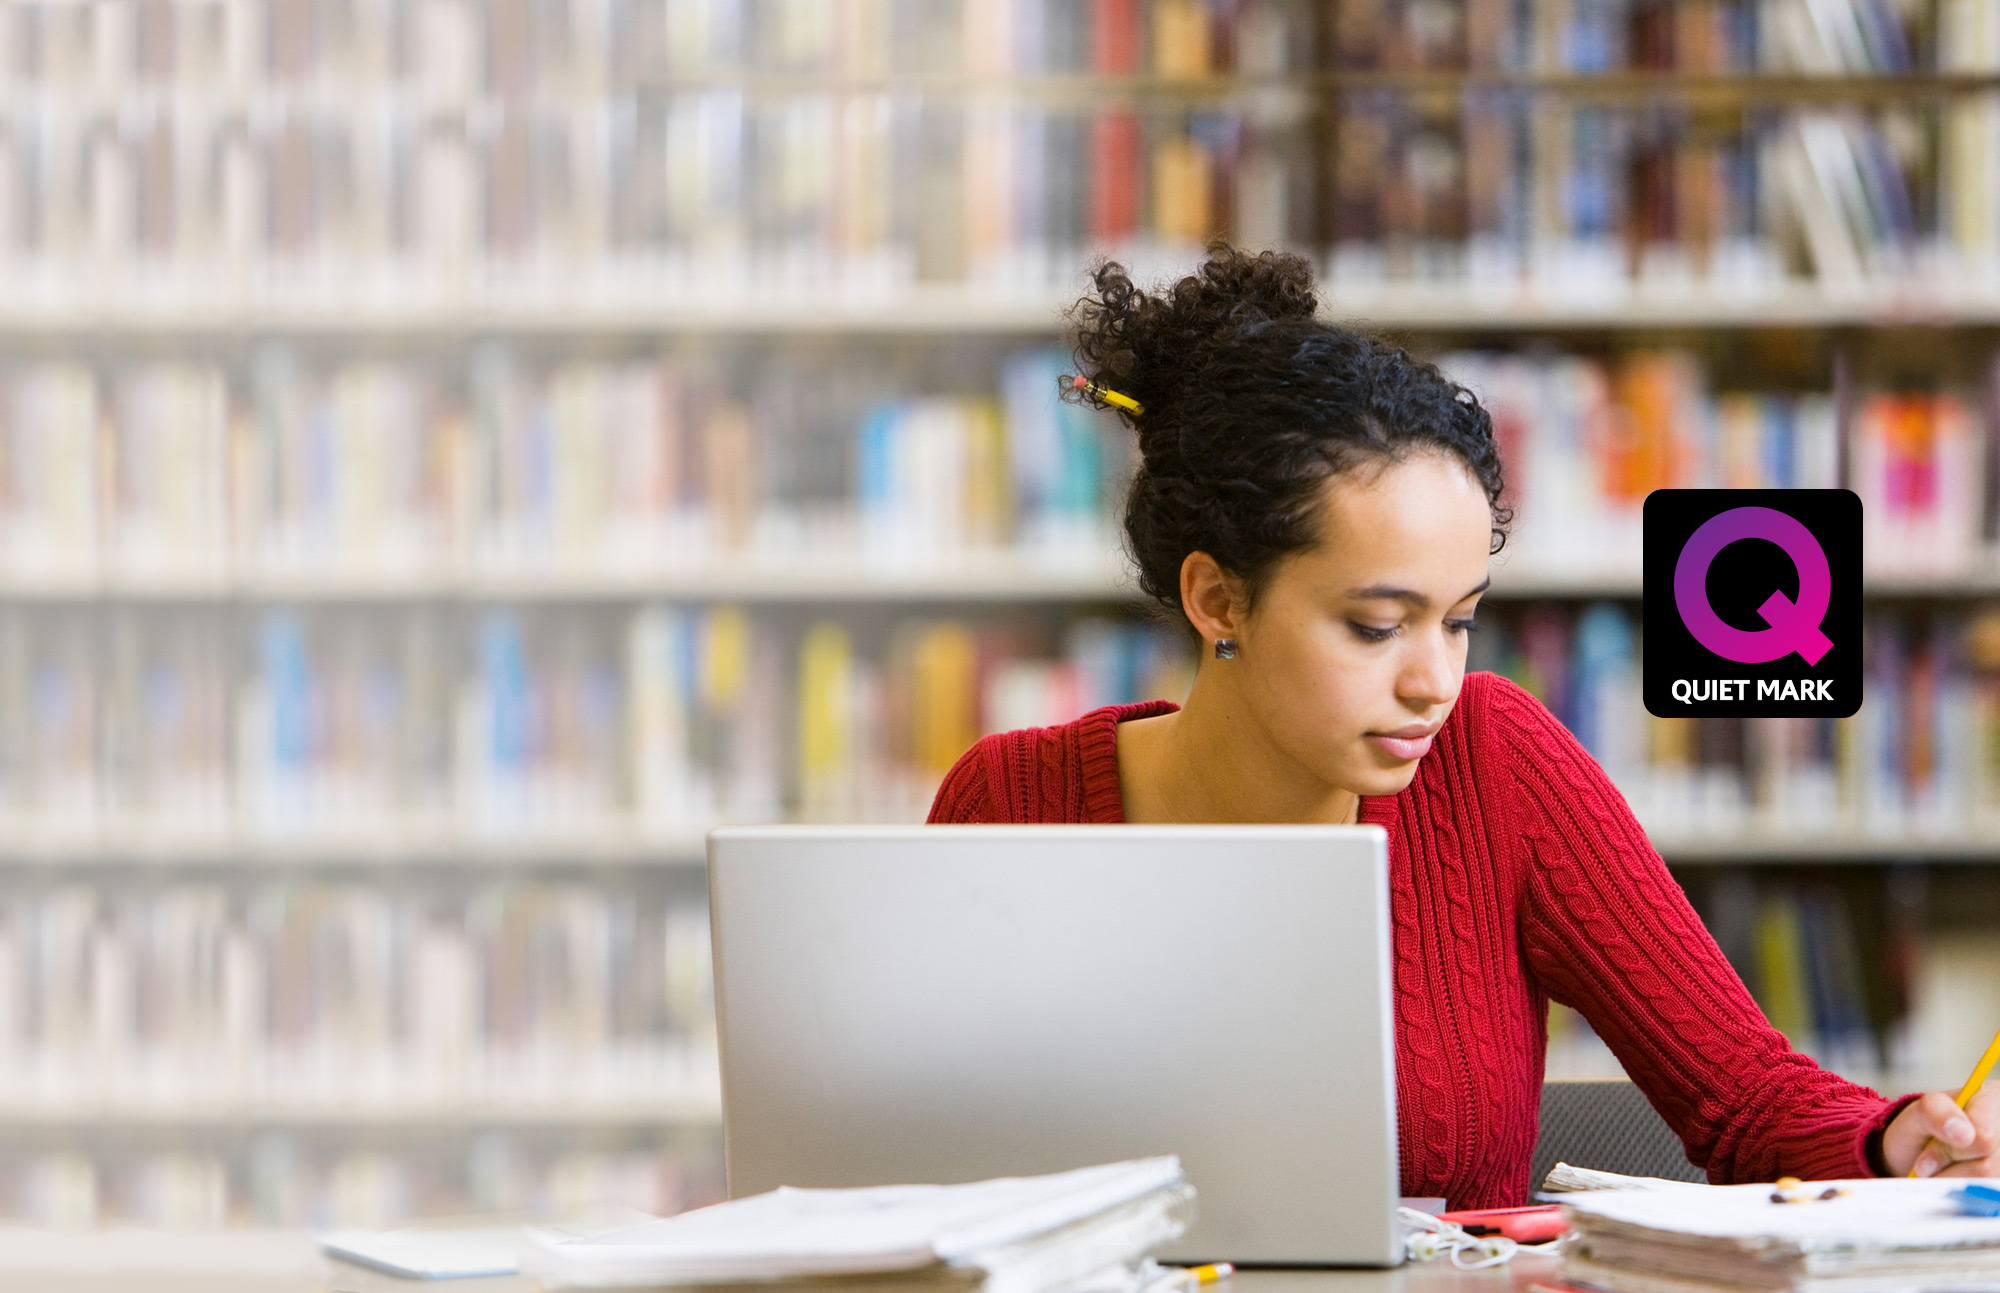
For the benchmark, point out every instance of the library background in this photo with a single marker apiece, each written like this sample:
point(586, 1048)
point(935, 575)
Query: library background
point(453, 452)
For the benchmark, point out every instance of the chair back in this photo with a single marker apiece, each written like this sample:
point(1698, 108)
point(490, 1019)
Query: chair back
point(1609, 1126)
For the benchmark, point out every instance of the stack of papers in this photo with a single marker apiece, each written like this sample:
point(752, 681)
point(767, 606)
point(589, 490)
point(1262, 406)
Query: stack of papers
point(1881, 1236)
point(1087, 1231)
point(1564, 1179)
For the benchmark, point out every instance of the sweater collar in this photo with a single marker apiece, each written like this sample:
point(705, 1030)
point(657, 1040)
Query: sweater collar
point(1104, 798)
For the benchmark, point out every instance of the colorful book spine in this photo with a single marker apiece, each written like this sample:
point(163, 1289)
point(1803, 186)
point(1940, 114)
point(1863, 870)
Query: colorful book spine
point(1918, 463)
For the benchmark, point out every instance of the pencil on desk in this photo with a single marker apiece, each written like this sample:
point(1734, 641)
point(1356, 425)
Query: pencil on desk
point(1186, 1279)
point(1972, 1085)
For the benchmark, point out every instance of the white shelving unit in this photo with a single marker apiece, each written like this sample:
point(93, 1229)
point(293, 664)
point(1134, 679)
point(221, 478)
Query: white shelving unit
point(139, 847)
point(694, 1109)
point(1941, 301)
point(1813, 847)
point(995, 576)
point(822, 578)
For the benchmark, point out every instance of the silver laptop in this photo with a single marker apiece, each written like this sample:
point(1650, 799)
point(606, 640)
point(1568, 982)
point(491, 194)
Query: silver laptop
point(950, 1003)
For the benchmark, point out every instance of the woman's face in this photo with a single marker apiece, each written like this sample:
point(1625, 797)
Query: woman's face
point(1355, 649)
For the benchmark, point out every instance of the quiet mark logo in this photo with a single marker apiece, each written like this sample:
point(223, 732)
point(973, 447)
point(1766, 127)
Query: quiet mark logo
point(1753, 602)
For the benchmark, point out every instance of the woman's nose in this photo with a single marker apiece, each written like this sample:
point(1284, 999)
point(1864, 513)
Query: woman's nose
point(1430, 675)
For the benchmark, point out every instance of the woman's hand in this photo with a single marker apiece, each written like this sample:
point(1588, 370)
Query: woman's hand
point(1941, 1139)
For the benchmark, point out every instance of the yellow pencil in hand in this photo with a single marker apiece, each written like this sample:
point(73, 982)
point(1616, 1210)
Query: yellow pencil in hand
point(1971, 1087)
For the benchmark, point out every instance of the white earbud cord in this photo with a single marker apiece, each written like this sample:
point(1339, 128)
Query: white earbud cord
point(1430, 1236)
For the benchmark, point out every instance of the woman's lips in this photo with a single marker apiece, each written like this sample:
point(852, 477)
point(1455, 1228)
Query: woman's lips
point(1403, 748)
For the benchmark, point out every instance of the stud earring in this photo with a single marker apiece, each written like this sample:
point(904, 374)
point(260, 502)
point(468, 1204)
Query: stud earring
point(1225, 648)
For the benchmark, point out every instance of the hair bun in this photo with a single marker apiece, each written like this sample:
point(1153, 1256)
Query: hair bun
point(1138, 340)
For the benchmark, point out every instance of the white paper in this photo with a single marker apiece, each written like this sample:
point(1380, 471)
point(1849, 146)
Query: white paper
point(1876, 1216)
point(1564, 1179)
point(470, 1247)
point(431, 1254)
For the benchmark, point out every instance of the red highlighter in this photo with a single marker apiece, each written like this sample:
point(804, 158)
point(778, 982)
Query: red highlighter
point(1530, 1225)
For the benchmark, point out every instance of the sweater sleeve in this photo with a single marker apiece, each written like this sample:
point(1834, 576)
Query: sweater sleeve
point(1607, 930)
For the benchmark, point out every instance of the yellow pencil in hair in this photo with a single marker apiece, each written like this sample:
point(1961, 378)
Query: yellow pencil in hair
point(1972, 1085)
point(1109, 396)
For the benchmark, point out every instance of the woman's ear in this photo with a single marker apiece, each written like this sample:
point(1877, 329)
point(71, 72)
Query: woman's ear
point(1212, 598)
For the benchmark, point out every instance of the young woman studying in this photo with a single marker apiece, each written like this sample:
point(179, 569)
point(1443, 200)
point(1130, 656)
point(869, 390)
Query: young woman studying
point(1321, 508)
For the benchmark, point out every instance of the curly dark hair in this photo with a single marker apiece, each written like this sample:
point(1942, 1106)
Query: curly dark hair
point(1251, 405)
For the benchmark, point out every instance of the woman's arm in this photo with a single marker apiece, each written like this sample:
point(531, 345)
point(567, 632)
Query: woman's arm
point(1606, 929)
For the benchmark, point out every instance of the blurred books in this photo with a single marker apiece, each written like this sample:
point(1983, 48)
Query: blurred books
point(619, 732)
point(208, 159)
point(199, 1046)
point(174, 1176)
point(1586, 440)
point(1917, 762)
point(416, 474)
point(280, 998)
point(514, 472)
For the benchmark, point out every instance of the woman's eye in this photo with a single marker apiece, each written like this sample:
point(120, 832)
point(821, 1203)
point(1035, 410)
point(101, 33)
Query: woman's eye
point(1460, 626)
point(1369, 633)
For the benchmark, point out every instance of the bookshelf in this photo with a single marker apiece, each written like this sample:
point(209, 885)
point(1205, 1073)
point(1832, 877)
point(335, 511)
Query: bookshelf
point(453, 452)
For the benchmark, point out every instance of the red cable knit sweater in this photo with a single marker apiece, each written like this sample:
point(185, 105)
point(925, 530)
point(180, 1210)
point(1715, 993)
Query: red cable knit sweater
point(1518, 875)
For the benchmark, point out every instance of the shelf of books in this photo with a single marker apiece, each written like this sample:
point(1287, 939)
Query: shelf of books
point(453, 453)
point(241, 165)
point(942, 472)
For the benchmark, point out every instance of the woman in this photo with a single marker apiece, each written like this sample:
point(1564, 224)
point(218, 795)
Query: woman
point(1321, 510)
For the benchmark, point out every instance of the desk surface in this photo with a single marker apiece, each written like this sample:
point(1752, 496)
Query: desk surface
point(288, 1262)
point(1436, 1276)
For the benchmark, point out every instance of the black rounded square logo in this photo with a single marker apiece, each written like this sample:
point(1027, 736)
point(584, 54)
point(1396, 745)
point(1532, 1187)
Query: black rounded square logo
point(1753, 602)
